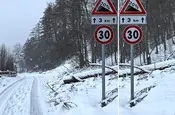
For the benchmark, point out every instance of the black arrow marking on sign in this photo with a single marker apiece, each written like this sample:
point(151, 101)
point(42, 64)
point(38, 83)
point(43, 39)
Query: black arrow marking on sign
point(113, 20)
point(94, 20)
point(142, 19)
point(123, 20)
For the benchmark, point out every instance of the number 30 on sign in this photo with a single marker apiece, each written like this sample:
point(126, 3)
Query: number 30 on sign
point(104, 34)
point(132, 34)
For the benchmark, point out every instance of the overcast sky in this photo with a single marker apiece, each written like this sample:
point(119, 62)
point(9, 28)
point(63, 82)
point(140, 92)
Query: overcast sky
point(17, 18)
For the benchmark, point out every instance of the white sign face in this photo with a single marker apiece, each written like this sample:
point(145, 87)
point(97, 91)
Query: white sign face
point(134, 5)
point(132, 34)
point(103, 20)
point(105, 5)
point(104, 34)
point(133, 19)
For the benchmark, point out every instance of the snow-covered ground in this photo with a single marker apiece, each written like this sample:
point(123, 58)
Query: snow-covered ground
point(6, 81)
point(78, 98)
point(151, 90)
point(21, 96)
point(159, 90)
point(46, 94)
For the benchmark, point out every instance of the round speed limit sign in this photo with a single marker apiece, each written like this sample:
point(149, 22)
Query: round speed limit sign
point(104, 34)
point(132, 34)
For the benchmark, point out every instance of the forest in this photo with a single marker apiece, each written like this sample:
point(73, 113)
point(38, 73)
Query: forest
point(7, 61)
point(65, 31)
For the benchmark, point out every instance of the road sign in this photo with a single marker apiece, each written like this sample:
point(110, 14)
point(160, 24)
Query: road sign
point(133, 12)
point(104, 34)
point(104, 7)
point(103, 20)
point(104, 13)
point(133, 7)
point(132, 35)
point(132, 19)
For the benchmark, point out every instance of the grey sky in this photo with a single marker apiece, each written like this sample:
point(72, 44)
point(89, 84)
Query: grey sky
point(17, 18)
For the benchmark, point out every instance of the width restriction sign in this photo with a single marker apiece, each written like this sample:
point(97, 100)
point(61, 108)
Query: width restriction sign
point(104, 13)
point(104, 34)
point(132, 35)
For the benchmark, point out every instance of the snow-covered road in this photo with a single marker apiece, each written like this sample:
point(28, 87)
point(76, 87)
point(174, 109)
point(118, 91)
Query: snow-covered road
point(22, 97)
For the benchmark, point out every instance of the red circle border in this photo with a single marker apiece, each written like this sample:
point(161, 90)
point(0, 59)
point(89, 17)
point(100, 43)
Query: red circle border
point(96, 32)
point(124, 34)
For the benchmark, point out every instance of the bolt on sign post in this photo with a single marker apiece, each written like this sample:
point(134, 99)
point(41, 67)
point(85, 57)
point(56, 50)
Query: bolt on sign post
point(132, 13)
point(103, 14)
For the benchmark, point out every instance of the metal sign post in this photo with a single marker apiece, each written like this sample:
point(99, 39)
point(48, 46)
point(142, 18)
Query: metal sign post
point(132, 70)
point(103, 35)
point(132, 12)
point(103, 73)
point(132, 35)
point(104, 14)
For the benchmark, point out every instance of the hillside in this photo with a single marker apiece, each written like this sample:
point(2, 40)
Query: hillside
point(83, 97)
point(154, 93)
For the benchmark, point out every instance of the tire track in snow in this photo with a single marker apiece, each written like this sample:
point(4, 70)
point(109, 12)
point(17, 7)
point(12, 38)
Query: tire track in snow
point(37, 104)
point(6, 94)
point(19, 102)
point(11, 85)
